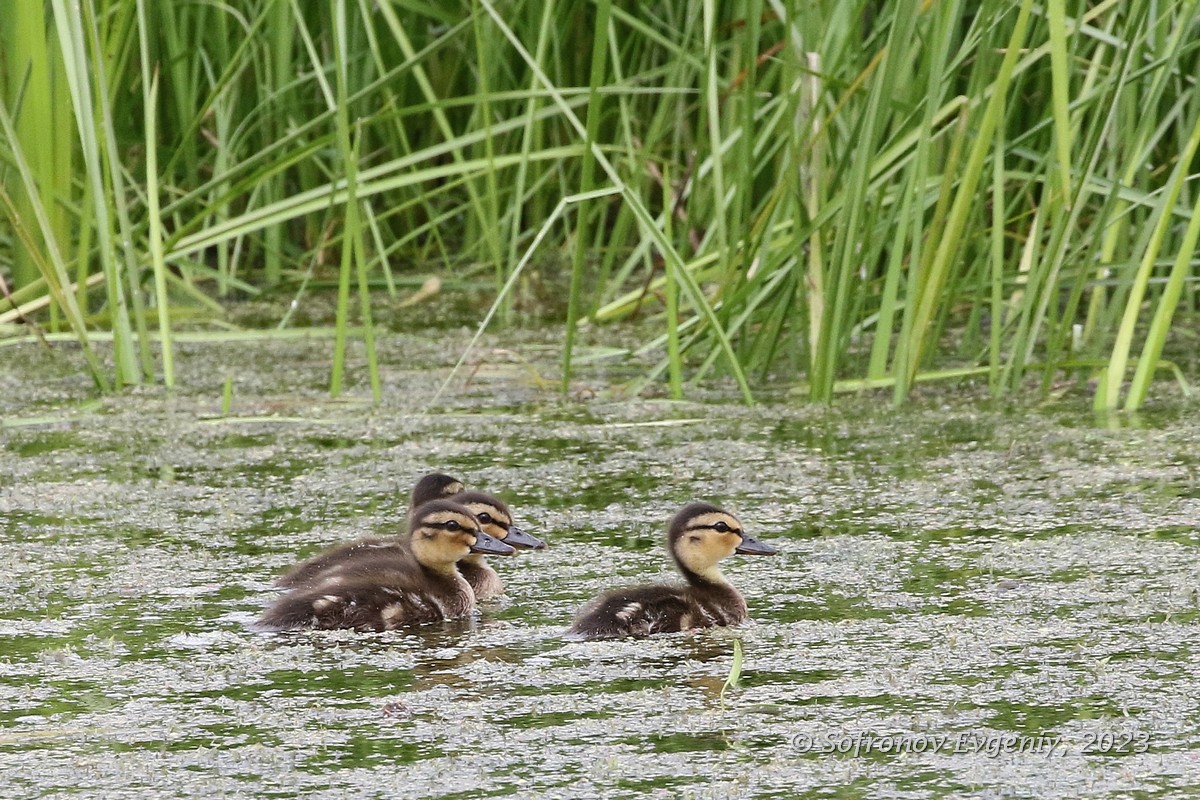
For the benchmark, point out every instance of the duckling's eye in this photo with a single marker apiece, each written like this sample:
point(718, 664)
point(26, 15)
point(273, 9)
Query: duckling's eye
point(452, 525)
point(721, 527)
point(484, 517)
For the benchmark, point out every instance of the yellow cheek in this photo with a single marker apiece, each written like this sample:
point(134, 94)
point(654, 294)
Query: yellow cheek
point(718, 547)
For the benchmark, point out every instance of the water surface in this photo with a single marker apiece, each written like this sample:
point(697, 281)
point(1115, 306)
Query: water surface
point(971, 599)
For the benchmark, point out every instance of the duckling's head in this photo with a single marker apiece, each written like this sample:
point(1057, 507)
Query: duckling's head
point(702, 535)
point(442, 533)
point(495, 519)
point(434, 486)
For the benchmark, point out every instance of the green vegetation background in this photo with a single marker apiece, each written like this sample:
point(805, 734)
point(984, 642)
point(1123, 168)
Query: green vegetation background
point(837, 194)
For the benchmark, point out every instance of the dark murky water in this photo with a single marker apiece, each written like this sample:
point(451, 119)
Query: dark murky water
point(995, 603)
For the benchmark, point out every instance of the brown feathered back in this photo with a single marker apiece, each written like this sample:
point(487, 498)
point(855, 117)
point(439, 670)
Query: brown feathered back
point(382, 586)
point(698, 538)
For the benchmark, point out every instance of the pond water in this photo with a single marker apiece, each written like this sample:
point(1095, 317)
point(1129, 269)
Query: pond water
point(970, 600)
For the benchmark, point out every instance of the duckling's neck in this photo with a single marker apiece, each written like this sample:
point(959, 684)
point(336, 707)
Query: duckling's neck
point(444, 569)
point(708, 576)
point(475, 558)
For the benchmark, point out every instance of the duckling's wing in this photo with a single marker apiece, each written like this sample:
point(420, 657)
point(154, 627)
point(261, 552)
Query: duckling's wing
point(638, 611)
point(375, 597)
point(343, 554)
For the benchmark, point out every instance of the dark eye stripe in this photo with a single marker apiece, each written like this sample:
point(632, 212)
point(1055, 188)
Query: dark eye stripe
point(713, 528)
point(446, 526)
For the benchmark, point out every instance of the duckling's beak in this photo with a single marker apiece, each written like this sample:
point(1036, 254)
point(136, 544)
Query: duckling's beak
point(490, 544)
point(519, 538)
point(753, 547)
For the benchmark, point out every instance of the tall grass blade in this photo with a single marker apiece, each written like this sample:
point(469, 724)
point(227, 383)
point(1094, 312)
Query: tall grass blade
point(352, 260)
point(734, 678)
point(1060, 92)
point(1169, 300)
point(30, 73)
point(153, 213)
point(587, 181)
point(52, 266)
point(79, 71)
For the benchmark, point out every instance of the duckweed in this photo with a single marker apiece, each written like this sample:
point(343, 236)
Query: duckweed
point(954, 572)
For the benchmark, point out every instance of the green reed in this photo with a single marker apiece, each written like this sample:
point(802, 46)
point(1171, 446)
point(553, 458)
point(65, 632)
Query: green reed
point(835, 195)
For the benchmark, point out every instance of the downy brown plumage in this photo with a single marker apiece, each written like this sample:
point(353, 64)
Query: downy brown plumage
point(405, 582)
point(431, 487)
point(700, 536)
point(494, 517)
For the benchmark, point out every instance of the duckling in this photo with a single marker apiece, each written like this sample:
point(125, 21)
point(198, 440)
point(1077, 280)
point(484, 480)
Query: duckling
point(495, 519)
point(492, 514)
point(433, 486)
point(402, 583)
point(700, 536)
